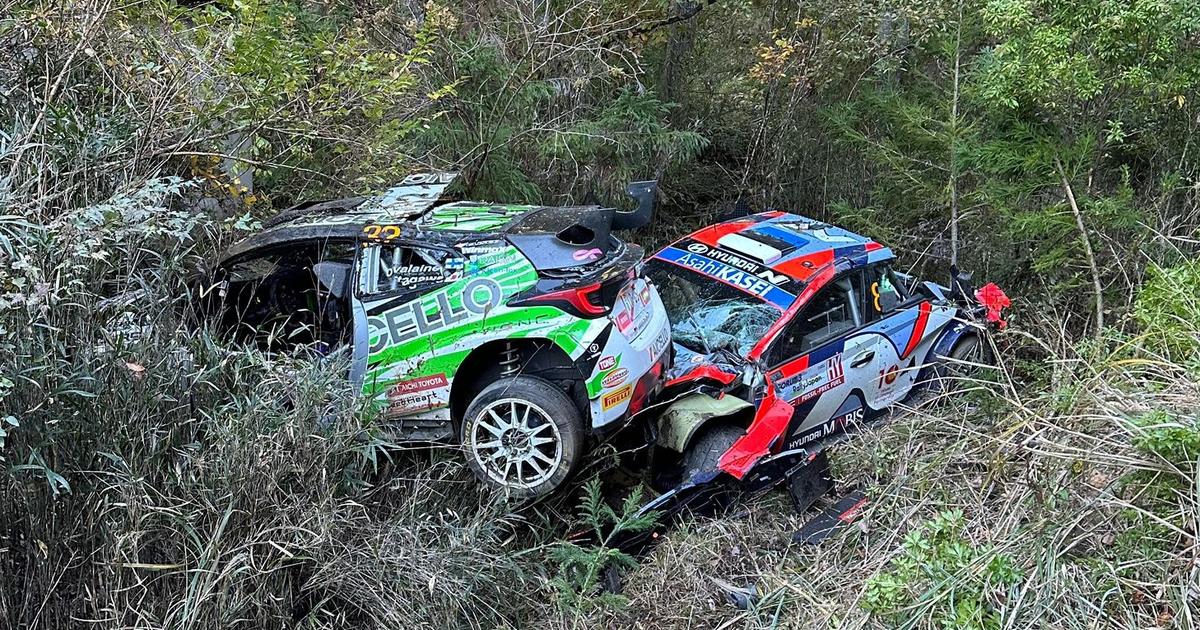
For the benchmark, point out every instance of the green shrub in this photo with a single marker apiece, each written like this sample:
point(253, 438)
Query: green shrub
point(1168, 311)
point(581, 567)
point(943, 576)
point(1174, 439)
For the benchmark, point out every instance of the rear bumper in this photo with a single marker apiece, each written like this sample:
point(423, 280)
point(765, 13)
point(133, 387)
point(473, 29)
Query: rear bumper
point(638, 363)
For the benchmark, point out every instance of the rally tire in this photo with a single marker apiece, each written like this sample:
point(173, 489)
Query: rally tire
point(961, 364)
point(523, 436)
point(703, 455)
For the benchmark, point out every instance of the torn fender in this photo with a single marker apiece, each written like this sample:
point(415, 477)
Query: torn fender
point(684, 417)
point(769, 424)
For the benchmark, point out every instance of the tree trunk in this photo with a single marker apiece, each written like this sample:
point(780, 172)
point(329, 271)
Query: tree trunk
point(954, 210)
point(1087, 247)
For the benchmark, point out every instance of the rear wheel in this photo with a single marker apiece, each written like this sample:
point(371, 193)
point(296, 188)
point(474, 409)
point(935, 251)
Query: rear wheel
point(704, 453)
point(522, 435)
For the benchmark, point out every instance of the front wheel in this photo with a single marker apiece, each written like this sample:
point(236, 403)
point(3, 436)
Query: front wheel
point(704, 454)
point(522, 435)
point(966, 362)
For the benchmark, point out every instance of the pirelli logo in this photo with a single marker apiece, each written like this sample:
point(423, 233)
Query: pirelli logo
point(614, 398)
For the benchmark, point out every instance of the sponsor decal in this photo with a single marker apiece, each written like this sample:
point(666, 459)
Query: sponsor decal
point(814, 381)
point(419, 384)
point(626, 312)
point(412, 403)
point(774, 278)
point(740, 278)
point(584, 255)
point(836, 371)
point(624, 320)
point(644, 293)
point(480, 247)
point(614, 398)
point(828, 428)
point(606, 363)
point(417, 394)
point(409, 320)
point(659, 345)
point(616, 377)
point(739, 262)
point(421, 179)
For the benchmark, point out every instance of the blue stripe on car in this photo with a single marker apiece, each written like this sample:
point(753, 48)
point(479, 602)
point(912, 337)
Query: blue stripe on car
point(738, 278)
point(788, 236)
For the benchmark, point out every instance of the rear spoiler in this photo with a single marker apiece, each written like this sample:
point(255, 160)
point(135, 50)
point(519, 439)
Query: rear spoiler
point(961, 288)
point(644, 193)
point(559, 238)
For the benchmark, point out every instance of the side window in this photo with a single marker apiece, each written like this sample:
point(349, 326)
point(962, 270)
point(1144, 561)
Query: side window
point(289, 296)
point(883, 291)
point(832, 312)
point(396, 268)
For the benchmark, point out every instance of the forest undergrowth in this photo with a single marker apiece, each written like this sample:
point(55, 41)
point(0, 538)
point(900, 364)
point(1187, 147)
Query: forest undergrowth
point(152, 476)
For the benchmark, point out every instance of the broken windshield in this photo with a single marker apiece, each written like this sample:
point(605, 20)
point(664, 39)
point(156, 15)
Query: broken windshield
point(707, 315)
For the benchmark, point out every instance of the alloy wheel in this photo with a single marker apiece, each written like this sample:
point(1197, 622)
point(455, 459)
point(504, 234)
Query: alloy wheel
point(516, 443)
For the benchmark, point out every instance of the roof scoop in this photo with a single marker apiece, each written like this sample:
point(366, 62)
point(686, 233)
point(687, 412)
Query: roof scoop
point(413, 195)
point(750, 248)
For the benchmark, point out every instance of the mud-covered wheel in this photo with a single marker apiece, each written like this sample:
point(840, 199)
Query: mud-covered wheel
point(522, 435)
point(704, 453)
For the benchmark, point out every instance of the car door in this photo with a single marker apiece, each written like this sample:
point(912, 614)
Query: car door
point(902, 327)
point(393, 277)
point(818, 361)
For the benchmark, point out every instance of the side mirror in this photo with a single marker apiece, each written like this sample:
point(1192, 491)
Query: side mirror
point(752, 377)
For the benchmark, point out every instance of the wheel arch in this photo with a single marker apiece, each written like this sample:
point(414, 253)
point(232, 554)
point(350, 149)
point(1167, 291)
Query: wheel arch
point(688, 417)
point(949, 338)
point(537, 356)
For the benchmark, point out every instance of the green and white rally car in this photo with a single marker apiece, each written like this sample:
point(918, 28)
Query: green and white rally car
point(517, 331)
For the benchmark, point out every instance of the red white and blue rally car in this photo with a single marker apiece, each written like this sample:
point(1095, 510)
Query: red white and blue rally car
point(789, 332)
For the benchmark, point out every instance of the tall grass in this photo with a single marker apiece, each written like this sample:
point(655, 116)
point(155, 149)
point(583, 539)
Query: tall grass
point(1061, 494)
